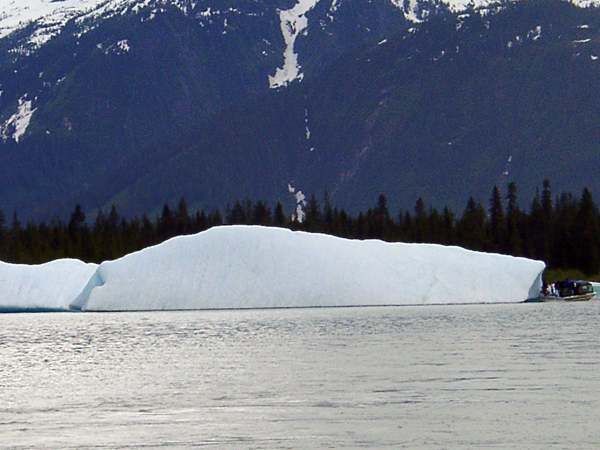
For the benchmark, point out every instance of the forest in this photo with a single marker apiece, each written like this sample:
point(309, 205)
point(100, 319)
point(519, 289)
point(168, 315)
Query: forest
point(562, 230)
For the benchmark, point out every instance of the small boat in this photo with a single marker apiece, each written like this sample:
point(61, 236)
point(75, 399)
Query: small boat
point(568, 291)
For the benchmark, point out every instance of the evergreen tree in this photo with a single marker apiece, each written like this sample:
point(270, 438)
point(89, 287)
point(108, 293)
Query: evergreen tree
point(166, 224)
point(77, 220)
point(382, 221)
point(58, 239)
point(471, 228)
point(3, 236)
point(313, 218)
point(497, 220)
point(546, 222)
point(536, 241)
point(434, 226)
point(279, 219)
point(448, 231)
point(261, 214)
point(329, 221)
point(215, 219)
point(359, 229)
point(113, 218)
point(587, 235)
point(567, 230)
point(343, 223)
point(420, 229)
point(148, 233)
point(513, 214)
point(238, 215)
point(200, 221)
point(405, 227)
point(547, 206)
point(182, 218)
point(564, 251)
point(112, 235)
point(15, 247)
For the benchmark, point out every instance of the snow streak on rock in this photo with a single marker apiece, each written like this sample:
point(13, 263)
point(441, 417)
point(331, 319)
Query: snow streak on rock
point(409, 7)
point(293, 23)
point(17, 125)
point(300, 202)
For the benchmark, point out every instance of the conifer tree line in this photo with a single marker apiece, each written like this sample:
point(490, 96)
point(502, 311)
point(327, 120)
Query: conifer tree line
point(561, 230)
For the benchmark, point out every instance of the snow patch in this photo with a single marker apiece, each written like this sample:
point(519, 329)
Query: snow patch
point(293, 23)
point(586, 3)
point(307, 129)
point(120, 48)
point(409, 7)
point(439, 56)
point(507, 167)
point(205, 14)
point(535, 34)
point(300, 203)
point(123, 46)
point(17, 125)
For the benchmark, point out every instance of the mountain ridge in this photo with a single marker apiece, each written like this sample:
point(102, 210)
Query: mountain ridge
point(141, 112)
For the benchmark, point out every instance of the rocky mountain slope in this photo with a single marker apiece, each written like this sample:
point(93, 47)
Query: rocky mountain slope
point(138, 103)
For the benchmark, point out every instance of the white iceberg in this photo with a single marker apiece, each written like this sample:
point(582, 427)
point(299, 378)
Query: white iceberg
point(258, 267)
point(50, 286)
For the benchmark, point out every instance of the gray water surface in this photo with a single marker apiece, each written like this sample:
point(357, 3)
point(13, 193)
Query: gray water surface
point(523, 376)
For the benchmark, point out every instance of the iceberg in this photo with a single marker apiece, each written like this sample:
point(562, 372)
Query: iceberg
point(260, 267)
point(50, 286)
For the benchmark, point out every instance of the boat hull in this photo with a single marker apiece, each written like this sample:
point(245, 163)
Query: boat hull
point(571, 298)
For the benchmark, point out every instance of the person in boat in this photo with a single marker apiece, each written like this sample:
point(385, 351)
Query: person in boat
point(546, 290)
point(549, 290)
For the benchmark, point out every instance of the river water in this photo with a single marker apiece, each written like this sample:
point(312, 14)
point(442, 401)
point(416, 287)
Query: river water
point(508, 376)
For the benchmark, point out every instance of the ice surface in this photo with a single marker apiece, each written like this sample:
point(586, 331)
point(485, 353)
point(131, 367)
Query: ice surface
point(48, 286)
point(259, 267)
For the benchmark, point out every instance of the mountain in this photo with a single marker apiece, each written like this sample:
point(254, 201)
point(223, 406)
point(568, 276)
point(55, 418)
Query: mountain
point(137, 103)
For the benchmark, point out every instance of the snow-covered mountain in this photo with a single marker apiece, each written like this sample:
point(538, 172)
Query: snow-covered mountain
point(48, 18)
point(51, 15)
point(104, 82)
point(140, 102)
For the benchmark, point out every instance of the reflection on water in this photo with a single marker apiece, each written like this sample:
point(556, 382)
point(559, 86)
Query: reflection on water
point(483, 376)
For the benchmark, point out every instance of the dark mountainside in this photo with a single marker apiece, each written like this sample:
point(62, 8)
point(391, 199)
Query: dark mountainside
point(442, 110)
